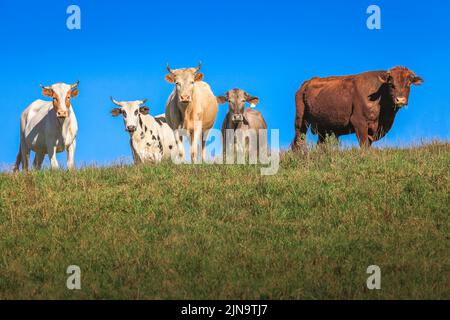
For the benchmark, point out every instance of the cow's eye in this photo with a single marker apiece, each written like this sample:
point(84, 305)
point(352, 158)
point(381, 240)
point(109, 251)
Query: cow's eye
point(124, 113)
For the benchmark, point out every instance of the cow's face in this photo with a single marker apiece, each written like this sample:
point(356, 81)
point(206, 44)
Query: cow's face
point(61, 94)
point(184, 80)
point(399, 81)
point(130, 111)
point(236, 99)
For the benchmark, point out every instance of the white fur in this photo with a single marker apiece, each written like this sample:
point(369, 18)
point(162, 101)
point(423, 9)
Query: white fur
point(42, 132)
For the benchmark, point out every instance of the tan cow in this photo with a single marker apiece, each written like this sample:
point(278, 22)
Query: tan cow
point(242, 119)
point(191, 106)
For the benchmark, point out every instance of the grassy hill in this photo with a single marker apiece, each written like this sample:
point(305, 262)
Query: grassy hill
point(221, 232)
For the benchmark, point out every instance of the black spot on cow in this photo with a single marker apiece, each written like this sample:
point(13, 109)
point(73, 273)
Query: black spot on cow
point(145, 128)
point(153, 138)
point(170, 147)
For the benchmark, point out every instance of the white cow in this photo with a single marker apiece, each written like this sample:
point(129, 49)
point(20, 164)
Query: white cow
point(49, 127)
point(151, 139)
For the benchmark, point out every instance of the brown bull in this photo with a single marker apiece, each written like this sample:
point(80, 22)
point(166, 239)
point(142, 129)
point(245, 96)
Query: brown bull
point(365, 104)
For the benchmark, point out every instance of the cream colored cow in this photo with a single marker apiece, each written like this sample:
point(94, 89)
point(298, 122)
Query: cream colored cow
point(191, 106)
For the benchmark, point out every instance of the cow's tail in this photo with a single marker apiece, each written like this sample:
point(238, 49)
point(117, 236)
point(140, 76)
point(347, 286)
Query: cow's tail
point(300, 124)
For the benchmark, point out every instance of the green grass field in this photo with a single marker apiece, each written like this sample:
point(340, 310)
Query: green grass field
point(226, 232)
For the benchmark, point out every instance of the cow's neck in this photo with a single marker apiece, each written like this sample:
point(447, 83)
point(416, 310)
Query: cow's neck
point(234, 125)
point(388, 111)
point(64, 127)
point(138, 135)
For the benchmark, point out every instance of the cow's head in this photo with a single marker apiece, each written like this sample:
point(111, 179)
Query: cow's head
point(184, 80)
point(399, 81)
point(130, 110)
point(236, 99)
point(61, 94)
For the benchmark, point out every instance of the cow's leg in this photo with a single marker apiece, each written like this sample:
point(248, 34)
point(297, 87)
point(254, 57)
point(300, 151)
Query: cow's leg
point(203, 150)
point(301, 128)
point(18, 160)
point(71, 155)
point(361, 130)
point(359, 121)
point(51, 151)
point(179, 142)
point(197, 135)
point(321, 138)
point(25, 154)
point(38, 159)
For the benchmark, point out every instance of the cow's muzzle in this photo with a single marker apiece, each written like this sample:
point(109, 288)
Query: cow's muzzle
point(401, 101)
point(61, 114)
point(185, 99)
point(131, 129)
point(237, 117)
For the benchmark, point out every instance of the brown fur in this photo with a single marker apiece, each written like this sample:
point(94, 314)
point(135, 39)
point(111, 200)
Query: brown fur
point(365, 104)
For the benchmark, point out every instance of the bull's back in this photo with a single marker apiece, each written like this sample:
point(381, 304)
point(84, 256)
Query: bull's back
point(329, 101)
point(255, 119)
point(34, 124)
point(208, 101)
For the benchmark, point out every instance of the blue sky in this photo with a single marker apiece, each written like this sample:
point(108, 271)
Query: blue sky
point(267, 48)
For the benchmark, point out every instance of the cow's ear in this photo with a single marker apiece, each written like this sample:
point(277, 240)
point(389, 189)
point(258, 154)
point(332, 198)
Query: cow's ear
point(74, 93)
point(417, 81)
point(385, 77)
point(116, 111)
point(47, 92)
point(198, 76)
point(221, 99)
point(144, 110)
point(253, 101)
point(169, 78)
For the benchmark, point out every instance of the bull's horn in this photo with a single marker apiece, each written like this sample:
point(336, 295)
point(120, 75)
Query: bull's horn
point(199, 66)
point(168, 69)
point(75, 84)
point(115, 102)
point(144, 101)
point(44, 87)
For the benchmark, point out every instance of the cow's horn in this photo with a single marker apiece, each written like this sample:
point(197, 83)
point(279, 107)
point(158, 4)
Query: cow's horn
point(75, 85)
point(199, 66)
point(168, 69)
point(115, 102)
point(144, 101)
